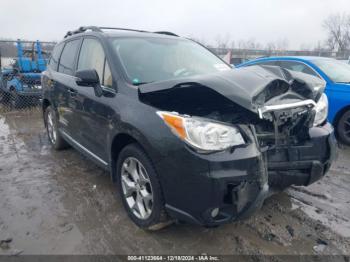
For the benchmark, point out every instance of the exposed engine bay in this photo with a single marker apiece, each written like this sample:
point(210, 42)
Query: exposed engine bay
point(281, 112)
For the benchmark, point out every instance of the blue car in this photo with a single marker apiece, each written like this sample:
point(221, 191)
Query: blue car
point(337, 77)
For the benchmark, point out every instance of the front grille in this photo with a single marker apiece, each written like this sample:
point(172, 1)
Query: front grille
point(289, 127)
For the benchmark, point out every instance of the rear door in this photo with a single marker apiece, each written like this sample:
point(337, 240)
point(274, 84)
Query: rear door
point(94, 113)
point(65, 87)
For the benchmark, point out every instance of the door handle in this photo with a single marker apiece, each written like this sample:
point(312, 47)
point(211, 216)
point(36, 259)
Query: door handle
point(72, 92)
point(51, 82)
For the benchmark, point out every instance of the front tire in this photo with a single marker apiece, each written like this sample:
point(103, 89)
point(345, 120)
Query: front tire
point(343, 128)
point(140, 189)
point(54, 136)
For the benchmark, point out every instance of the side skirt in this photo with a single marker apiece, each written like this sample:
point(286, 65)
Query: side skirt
point(99, 161)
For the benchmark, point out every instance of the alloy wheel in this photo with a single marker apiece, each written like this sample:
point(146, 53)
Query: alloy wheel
point(51, 128)
point(137, 188)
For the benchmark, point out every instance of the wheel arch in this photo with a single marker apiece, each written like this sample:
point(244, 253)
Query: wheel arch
point(120, 141)
point(339, 115)
point(45, 104)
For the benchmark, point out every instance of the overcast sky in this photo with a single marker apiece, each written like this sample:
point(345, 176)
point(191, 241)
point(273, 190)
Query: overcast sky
point(299, 21)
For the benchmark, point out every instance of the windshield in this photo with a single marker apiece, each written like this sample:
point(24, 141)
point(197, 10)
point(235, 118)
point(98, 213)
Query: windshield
point(150, 59)
point(337, 71)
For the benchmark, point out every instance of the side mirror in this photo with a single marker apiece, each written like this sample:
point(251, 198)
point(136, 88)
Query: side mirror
point(89, 77)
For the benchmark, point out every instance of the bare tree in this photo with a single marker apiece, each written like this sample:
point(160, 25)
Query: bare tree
point(233, 44)
point(319, 47)
point(270, 46)
point(305, 47)
point(282, 44)
point(249, 44)
point(223, 41)
point(338, 30)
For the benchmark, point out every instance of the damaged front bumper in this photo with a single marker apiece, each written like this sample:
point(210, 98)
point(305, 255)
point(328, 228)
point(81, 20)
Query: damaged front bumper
point(303, 165)
point(225, 186)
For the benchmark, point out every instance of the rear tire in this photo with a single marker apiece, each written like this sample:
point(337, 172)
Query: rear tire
point(140, 190)
point(16, 100)
point(343, 128)
point(3, 96)
point(55, 138)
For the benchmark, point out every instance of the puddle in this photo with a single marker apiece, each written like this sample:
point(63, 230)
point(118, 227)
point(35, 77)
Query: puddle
point(61, 203)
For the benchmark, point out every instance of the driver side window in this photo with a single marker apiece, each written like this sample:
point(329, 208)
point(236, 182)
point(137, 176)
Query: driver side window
point(92, 56)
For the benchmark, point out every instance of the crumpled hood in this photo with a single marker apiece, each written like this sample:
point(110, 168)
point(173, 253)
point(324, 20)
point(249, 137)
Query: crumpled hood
point(250, 87)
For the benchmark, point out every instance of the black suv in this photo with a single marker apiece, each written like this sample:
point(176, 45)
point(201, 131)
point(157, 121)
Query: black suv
point(184, 136)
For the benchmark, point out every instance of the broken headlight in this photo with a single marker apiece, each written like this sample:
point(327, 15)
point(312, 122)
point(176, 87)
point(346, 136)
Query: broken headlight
point(321, 109)
point(203, 134)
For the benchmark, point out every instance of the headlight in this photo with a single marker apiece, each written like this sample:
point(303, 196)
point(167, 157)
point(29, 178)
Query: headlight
point(203, 134)
point(321, 109)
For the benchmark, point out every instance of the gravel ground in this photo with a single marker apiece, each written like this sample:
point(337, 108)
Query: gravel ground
point(60, 203)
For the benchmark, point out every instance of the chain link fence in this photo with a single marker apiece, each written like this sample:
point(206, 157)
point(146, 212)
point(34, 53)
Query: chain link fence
point(22, 63)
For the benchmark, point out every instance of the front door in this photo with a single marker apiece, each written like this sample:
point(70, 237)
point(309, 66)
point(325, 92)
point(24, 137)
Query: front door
point(93, 113)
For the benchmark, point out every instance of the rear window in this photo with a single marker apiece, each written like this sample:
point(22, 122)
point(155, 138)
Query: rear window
point(67, 60)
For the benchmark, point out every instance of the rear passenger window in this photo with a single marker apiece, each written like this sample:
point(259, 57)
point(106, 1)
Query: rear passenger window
point(66, 65)
point(92, 56)
point(55, 56)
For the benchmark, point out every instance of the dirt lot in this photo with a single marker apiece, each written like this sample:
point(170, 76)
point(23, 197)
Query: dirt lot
point(60, 203)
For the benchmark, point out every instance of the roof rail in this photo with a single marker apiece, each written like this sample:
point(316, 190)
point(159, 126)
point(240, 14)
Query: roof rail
point(165, 33)
point(83, 29)
point(124, 29)
point(99, 29)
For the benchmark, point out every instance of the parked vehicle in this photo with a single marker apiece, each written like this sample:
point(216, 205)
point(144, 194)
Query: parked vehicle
point(337, 76)
point(183, 135)
point(20, 83)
